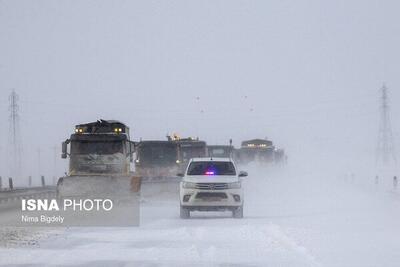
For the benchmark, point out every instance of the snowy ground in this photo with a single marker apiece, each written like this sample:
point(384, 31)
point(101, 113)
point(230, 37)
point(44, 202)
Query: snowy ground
point(292, 218)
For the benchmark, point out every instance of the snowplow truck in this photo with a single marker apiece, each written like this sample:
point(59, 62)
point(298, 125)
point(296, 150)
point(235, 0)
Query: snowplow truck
point(256, 151)
point(189, 148)
point(157, 164)
point(100, 154)
point(157, 159)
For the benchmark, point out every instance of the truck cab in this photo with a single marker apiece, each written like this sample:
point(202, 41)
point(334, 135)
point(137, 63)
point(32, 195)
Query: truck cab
point(157, 159)
point(256, 151)
point(100, 155)
point(189, 148)
point(99, 148)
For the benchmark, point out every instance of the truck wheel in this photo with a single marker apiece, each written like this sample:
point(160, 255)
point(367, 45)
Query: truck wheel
point(185, 213)
point(238, 212)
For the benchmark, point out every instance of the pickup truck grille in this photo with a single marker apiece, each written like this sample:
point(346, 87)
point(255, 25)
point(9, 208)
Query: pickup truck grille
point(211, 186)
point(211, 196)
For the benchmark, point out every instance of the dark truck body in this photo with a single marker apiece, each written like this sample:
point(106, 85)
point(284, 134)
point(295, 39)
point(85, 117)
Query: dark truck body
point(256, 150)
point(157, 159)
point(190, 148)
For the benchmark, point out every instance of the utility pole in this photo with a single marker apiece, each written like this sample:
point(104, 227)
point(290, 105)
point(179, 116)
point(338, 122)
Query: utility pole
point(385, 148)
point(14, 136)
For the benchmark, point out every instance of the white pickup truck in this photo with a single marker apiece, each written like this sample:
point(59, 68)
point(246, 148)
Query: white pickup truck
point(211, 184)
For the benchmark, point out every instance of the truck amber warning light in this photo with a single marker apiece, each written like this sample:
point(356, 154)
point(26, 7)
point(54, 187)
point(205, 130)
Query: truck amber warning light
point(257, 145)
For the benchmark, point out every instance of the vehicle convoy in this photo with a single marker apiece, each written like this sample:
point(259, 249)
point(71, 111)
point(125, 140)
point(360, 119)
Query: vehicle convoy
point(256, 150)
point(211, 185)
point(100, 155)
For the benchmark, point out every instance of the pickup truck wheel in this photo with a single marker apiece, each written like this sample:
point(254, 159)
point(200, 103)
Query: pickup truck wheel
point(238, 212)
point(185, 213)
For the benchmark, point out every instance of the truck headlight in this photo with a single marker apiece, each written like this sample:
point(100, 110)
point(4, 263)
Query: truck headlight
point(234, 185)
point(189, 185)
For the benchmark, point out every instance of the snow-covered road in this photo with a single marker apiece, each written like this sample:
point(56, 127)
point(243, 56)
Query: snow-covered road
point(291, 219)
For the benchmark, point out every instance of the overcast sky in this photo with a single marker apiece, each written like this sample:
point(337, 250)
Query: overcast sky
point(305, 74)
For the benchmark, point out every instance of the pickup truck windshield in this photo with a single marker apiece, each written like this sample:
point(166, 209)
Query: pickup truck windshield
point(211, 168)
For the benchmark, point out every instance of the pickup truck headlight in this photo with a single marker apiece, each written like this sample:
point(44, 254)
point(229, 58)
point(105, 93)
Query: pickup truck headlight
point(189, 185)
point(234, 185)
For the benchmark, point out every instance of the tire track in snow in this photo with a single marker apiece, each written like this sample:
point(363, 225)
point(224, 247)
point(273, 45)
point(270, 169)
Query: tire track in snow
point(278, 234)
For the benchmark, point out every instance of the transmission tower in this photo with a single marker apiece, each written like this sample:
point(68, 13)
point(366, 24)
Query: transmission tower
point(385, 149)
point(14, 136)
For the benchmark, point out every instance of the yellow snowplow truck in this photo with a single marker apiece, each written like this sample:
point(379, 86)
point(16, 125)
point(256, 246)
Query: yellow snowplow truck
point(100, 156)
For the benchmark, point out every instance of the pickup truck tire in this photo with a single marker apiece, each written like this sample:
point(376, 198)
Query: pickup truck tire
point(238, 212)
point(184, 213)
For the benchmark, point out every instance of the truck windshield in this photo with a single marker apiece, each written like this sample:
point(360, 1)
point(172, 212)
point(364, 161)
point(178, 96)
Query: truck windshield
point(218, 152)
point(96, 147)
point(211, 168)
point(160, 154)
point(189, 152)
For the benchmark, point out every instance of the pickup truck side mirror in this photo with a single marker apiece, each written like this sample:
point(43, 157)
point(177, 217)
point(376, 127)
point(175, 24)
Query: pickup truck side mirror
point(243, 174)
point(180, 175)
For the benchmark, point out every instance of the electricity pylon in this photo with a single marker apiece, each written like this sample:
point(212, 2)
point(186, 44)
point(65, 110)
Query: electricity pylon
point(14, 136)
point(385, 153)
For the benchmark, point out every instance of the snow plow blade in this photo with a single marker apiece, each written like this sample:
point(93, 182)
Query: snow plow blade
point(82, 192)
